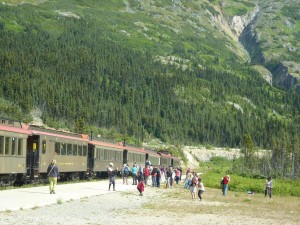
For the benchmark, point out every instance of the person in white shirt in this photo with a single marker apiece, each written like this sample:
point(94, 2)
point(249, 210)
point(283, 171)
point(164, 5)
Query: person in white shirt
point(201, 189)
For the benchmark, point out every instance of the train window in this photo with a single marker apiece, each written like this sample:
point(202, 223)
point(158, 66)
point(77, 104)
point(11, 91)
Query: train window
point(105, 155)
point(69, 149)
point(74, 149)
point(138, 158)
point(43, 147)
point(20, 146)
point(63, 148)
point(7, 150)
point(97, 153)
point(13, 145)
point(101, 154)
point(112, 155)
point(84, 150)
point(80, 150)
point(1, 145)
point(57, 148)
point(130, 157)
point(119, 156)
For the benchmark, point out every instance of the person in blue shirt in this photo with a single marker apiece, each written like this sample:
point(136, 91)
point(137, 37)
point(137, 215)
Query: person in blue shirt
point(134, 171)
point(53, 174)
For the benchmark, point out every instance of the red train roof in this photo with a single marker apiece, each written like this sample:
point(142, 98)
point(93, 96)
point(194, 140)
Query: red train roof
point(130, 148)
point(37, 132)
point(15, 129)
point(150, 152)
point(106, 144)
point(165, 155)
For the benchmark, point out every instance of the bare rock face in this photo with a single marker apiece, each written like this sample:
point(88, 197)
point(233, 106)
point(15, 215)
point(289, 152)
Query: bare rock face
point(287, 75)
point(36, 117)
point(203, 154)
point(239, 23)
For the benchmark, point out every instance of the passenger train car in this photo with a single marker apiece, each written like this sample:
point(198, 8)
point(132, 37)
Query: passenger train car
point(70, 151)
point(26, 150)
point(13, 145)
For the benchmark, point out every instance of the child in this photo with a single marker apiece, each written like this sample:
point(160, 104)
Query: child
point(193, 187)
point(201, 188)
point(141, 186)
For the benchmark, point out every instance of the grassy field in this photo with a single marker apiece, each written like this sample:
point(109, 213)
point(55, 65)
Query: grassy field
point(236, 207)
point(213, 171)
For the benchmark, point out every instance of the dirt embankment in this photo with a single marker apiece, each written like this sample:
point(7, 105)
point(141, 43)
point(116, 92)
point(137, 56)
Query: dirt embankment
point(195, 155)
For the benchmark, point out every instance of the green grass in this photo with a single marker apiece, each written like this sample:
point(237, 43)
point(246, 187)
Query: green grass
point(213, 172)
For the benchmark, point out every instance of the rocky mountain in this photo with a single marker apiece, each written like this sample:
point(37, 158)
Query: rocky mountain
point(271, 38)
point(261, 31)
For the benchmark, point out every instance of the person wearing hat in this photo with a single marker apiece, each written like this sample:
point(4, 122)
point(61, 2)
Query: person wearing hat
point(112, 173)
point(226, 180)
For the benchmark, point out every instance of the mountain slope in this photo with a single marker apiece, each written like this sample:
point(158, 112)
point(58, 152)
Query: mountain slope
point(170, 69)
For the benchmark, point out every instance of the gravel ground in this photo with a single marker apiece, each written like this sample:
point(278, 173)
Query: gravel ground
point(116, 207)
point(159, 206)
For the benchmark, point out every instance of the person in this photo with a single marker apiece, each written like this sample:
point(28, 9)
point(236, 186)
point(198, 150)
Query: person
point(140, 173)
point(188, 180)
point(162, 173)
point(146, 174)
point(226, 180)
point(169, 177)
point(222, 185)
point(177, 175)
point(268, 190)
point(180, 170)
point(141, 186)
point(193, 187)
point(148, 163)
point(112, 173)
point(125, 173)
point(53, 174)
point(134, 171)
point(154, 174)
point(201, 188)
point(158, 177)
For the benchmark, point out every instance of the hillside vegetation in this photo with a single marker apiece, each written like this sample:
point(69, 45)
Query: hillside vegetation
point(133, 69)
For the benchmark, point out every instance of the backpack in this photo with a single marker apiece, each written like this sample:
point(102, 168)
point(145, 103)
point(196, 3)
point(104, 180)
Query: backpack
point(126, 170)
point(222, 181)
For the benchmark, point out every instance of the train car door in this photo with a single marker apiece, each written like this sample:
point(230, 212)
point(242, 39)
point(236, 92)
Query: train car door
point(90, 159)
point(32, 157)
point(125, 158)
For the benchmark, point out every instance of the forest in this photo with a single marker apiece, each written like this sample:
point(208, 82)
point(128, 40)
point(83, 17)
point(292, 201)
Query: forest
point(83, 79)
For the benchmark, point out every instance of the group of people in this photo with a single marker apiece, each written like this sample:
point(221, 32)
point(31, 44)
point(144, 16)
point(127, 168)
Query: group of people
point(144, 174)
point(193, 182)
point(141, 175)
point(151, 173)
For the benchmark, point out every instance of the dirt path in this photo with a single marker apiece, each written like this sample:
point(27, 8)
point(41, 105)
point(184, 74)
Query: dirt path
point(162, 206)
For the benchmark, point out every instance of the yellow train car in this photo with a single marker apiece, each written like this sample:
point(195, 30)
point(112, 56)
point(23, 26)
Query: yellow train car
point(68, 149)
point(13, 142)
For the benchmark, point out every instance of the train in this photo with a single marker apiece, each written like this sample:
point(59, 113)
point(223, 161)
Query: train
point(26, 151)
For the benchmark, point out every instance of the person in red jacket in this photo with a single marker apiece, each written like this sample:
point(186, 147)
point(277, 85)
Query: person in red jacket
point(226, 180)
point(147, 174)
point(141, 186)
